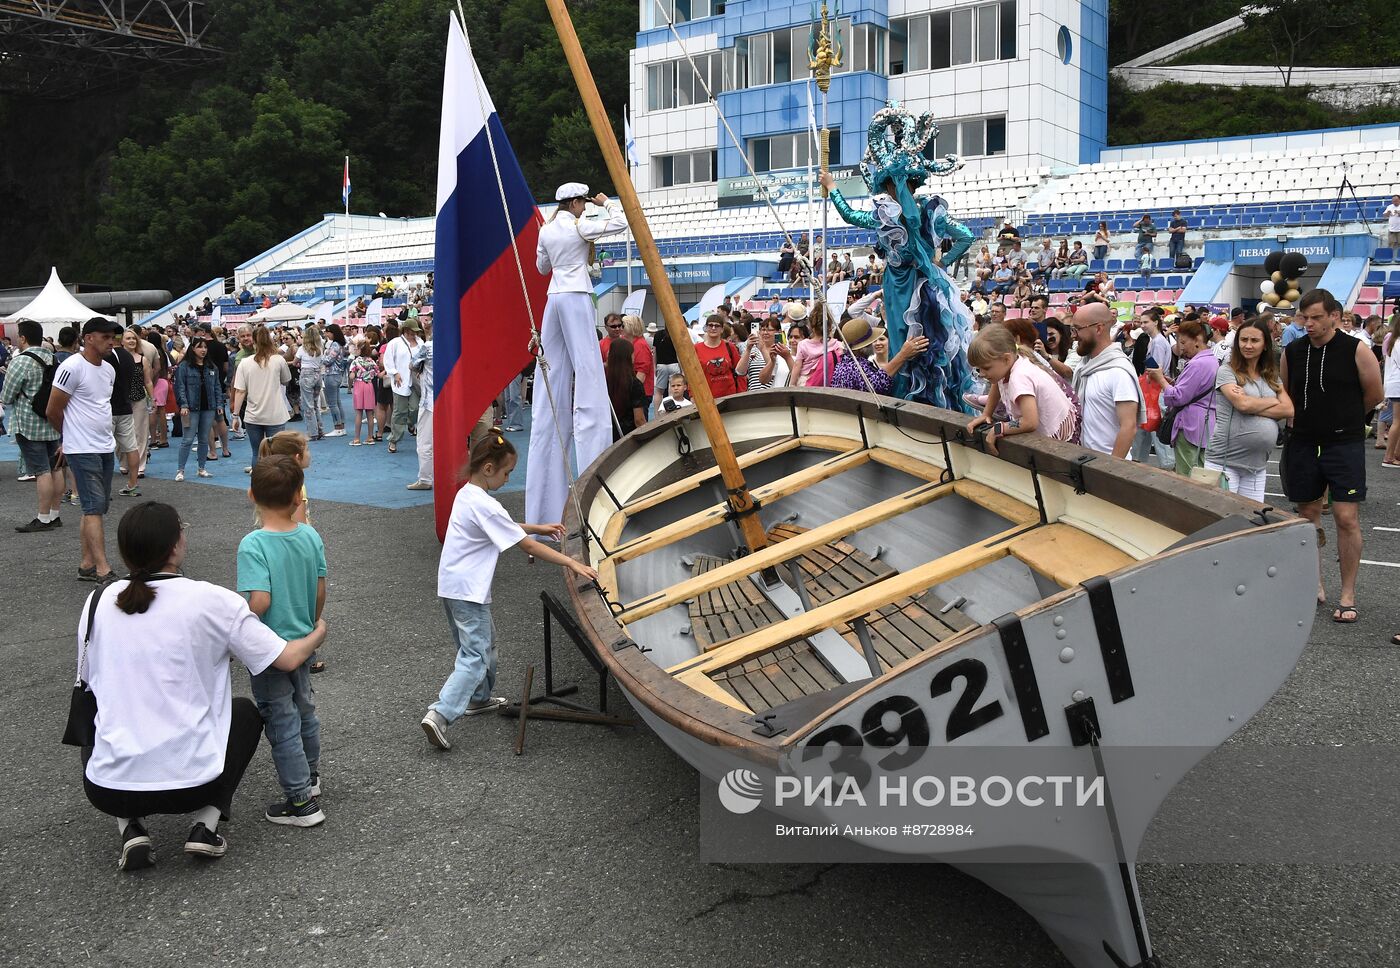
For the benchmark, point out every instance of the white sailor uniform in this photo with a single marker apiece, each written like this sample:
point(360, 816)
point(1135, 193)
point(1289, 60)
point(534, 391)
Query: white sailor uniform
point(569, 339)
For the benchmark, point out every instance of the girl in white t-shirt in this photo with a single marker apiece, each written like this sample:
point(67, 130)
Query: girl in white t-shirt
point(1033, 398)
point(478, 530)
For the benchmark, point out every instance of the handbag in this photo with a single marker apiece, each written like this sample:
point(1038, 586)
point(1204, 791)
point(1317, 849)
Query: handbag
point(1169, 415)
point(82, 704)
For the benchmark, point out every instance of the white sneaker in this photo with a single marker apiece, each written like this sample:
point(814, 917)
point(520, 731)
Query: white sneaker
point(204, 473)
point(420, 486)
point(435, 726)
point(495, 702)
point(336, 433)
point(179, 475)
point(248, 470)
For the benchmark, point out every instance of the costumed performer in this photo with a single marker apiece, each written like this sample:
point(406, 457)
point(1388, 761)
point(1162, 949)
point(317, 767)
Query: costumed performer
point(920, 297)
point(569, 348)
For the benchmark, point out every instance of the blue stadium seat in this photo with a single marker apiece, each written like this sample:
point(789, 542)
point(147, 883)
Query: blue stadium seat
point(1375, 278)
point(1383, 256)
point(1096, 265)
point(1114, 265)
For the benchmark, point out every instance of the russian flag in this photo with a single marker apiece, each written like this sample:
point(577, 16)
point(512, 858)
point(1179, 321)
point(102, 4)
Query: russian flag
point(345, 184)
point(481, 324)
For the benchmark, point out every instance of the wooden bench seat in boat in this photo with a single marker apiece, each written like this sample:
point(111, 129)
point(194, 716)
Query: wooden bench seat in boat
point(899, 630)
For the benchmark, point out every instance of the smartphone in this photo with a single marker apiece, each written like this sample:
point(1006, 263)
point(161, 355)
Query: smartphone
point(1042, 330)
point(1151, 363)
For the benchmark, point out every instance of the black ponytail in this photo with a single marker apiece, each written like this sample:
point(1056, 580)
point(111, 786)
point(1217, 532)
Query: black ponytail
point(146, 537)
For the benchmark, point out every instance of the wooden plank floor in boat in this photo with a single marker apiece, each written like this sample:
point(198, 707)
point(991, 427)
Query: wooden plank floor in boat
point(900, 630)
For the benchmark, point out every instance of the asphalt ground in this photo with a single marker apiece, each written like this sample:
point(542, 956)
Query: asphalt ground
point(584, 850)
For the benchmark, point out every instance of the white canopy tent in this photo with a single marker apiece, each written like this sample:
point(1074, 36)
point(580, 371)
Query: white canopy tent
point(282, 313)
point(54, 308)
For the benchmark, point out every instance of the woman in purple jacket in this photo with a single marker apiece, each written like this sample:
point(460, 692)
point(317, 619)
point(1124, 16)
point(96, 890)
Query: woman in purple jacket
point(1193, 395)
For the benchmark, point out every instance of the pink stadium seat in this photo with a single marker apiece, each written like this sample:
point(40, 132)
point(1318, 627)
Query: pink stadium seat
point(1167, 295)
point(1127, 297)
point(1015, 313)
point(1369, 294)
point(1059, 298)
point(1366, 310)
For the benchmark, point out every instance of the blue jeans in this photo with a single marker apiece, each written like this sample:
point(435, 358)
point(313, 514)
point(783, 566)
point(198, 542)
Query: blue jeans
point(310, 410)
point(514, 403)
point(92, 478)
point(332, 388)
point(256, 433)
point(197, 427)
point(288, 709)
point(1175, 246)
point(475, 671)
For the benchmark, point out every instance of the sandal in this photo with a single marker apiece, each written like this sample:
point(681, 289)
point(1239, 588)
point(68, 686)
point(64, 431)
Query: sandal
point(354, 443)
point(1339, 616)
point(1395, 640)
point(393, 448)
point(319, 666)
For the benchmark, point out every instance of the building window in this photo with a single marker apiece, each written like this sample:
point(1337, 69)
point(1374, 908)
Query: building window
point(675, 84)
point(688, 168)
point(1064, 45)
point(680, 11)
point(782, 56)
point(967, 35)
point(969, 138)
point(780, 152)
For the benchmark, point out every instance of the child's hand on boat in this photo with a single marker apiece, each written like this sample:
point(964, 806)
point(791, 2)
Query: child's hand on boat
point(555, 532)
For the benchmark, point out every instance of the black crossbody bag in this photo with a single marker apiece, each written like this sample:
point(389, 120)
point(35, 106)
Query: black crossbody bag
point(82, 704)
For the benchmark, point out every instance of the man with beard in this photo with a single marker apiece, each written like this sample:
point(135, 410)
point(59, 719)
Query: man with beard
point(1107, 385)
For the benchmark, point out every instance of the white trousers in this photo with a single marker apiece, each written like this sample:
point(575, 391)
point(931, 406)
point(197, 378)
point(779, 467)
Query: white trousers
point(580, 395)
point(425, 445)
point(1244, 482)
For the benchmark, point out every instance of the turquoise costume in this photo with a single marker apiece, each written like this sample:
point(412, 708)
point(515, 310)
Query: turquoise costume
point(919, 296)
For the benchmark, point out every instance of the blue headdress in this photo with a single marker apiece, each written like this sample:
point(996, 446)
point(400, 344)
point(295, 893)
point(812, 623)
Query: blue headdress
point(896, 149)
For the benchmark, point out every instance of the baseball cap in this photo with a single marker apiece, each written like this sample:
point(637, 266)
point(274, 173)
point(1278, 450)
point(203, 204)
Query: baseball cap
point(100, 324)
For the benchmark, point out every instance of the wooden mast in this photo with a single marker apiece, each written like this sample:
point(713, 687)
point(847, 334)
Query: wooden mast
point(740, 502)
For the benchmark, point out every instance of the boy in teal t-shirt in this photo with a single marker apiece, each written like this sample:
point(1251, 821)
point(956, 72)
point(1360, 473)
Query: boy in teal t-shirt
point(282, 569)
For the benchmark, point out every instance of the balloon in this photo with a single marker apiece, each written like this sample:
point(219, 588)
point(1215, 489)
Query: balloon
point(1271, 298)
point(1271, 262)
point(1276, 277)
point(1279, 287)
point(1293, 265)
point(1292, 295)
point(1267, 286)
point(1263, 307)
point(1284, 304)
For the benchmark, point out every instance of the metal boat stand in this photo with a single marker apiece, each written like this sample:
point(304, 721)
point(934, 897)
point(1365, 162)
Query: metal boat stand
point(552, 704)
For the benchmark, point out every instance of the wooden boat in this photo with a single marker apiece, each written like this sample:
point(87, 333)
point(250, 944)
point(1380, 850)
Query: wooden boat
point(780, 567)
point(1055, 576)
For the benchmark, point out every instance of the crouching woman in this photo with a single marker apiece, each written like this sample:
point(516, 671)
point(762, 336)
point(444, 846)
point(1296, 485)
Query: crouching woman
point(155, 649)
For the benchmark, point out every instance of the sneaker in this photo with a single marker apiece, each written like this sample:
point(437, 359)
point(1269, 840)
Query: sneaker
point(248, 470)
point(137, 850)
point(435, 725)
point(122, 469)
point(179, 475)
point(203, 842)
point(338, 432)
point(204, 473)
point(495, 702)
point(56, 523)
point(239, 435)
point(130, 492)
point(87, 574)
point(305, 814)
point(33, 527)
point(70, 497)
point(315, 784)
point(512, 430)
point(25, 477)
point(420, 486)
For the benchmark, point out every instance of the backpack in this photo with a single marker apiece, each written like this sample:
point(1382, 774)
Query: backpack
point(820, 378)
point(1183, 261)
point(40, 403)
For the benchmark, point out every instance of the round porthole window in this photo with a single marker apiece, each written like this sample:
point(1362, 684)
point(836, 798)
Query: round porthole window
point(1064, 45)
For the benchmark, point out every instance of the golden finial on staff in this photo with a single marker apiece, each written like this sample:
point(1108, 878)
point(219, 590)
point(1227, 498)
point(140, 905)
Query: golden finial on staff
point(824, 53)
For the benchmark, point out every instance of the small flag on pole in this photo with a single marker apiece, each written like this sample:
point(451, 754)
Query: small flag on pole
point(630, 139)
point(345, 184)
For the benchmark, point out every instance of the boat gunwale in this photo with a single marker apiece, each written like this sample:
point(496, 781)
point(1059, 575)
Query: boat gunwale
point(1182, 505)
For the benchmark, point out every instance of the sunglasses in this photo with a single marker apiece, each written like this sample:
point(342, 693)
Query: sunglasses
point(614, 325)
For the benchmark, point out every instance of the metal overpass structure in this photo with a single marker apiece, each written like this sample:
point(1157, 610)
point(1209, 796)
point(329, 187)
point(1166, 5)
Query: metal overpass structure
point(63, 49)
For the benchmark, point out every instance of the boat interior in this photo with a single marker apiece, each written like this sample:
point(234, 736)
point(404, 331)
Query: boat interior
point(883, 545)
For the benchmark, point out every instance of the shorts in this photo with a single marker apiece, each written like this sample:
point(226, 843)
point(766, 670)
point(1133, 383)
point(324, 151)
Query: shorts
point(124, 429)
point(38, 453)
point(1310, 470)
point(92, 477)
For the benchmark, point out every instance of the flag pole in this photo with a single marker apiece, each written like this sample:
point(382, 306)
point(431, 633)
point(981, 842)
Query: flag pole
point(741, 504)
point(826, 51)
point(347, 248)
point(627, 116)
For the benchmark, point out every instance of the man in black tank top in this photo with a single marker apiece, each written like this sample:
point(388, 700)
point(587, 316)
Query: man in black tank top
point(1334, 381)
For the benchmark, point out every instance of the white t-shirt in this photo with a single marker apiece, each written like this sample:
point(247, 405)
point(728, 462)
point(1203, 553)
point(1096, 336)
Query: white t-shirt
point(263, 385)
point(87, 420)
point(478, 530)
point(162, 682)
point(1392, 216)
point(1103, 390)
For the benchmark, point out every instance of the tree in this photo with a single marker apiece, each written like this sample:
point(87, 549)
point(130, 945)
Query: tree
point(1290, 24)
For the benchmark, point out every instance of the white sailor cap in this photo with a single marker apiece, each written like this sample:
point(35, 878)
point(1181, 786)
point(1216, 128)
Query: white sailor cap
point(571, 190)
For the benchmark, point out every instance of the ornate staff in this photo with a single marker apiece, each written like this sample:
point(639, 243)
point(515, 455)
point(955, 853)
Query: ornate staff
point(823, 53)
